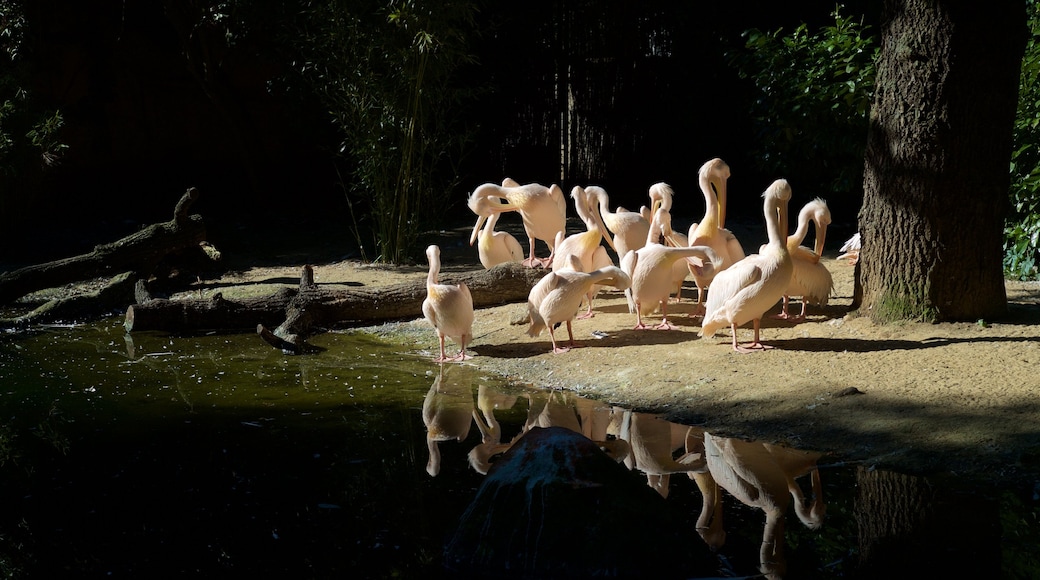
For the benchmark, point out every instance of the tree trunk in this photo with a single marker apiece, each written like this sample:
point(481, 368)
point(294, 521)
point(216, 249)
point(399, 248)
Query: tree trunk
point(936, 177)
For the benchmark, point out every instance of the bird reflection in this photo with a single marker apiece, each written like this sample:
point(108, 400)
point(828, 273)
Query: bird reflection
point(654, 443)
point(447, 413)
point(760, 475)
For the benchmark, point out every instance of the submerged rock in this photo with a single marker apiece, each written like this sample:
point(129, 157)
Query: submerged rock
point(555, 505)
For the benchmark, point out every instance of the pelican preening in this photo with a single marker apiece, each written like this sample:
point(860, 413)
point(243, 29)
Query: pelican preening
point(555, 299)
point(542, 209)
point(711, 230)
point(650, 269)
point(628, 228)
point(811, 280)
point(448, 307)
point(493, 247)
point(746, 290)
point(585, 246)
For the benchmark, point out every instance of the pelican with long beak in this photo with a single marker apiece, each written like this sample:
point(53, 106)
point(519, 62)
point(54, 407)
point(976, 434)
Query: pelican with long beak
point(811, 280)
point(744, 292)
point(494, 248)
point(586, 246)
point(711, 230)
point(448, 308)
point(543, 210)
point(628, 229)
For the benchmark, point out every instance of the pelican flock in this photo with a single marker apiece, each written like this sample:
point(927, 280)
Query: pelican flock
point(640, 254)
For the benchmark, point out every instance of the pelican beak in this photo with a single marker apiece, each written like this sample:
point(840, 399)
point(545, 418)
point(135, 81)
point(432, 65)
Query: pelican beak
point(821, 236)
point(476, 229)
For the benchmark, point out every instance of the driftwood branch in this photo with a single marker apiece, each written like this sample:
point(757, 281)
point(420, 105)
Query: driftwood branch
point(312, 306)
point(139, 253)
point(111, 297)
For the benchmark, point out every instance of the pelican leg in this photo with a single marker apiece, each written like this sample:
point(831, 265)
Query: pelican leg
point(441, 358)
point(784, 315)
point(665, 325)
point(754, 346)
point(588, 313)
point(570, 335)
point(556, 349)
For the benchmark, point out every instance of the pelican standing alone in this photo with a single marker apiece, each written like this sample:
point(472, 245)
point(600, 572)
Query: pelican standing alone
point(650, 269)
point(746, 290)
point(448, 307)
point(710, 231)
point(543, 210)
point(811, 280)
point(557, 296)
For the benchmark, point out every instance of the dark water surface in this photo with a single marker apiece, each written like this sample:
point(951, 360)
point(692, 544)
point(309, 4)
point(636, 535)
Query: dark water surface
point(162, 456)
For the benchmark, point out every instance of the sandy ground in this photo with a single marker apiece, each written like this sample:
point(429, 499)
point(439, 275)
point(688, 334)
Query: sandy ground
point(960, 399)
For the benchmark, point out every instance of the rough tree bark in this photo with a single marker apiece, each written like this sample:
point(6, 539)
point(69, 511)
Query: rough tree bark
point(140, 253)
point(936, 176)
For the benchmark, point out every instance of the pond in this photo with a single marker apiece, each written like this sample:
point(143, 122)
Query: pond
point(158, 455)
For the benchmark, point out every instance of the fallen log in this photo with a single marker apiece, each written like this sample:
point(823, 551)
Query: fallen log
point(139, 253)
point(112, 296)
point(215, 312)
point(313, 306)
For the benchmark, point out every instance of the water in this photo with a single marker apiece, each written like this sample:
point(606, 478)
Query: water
point(154, 456)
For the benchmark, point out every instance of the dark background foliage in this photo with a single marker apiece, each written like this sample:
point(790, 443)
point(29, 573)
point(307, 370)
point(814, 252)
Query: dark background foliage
point(159, 96)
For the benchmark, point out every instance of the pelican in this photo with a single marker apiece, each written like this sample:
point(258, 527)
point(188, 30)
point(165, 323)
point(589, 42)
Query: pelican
point(811, 279)
point(493, 247)
point(746, 290)
point(586, 246)
point(557, 296)
point(650, 269)
point(681, 268)
point(850, 249)
point(629, 228)
point(543, 210)
point(710, 231)
point(448, 307)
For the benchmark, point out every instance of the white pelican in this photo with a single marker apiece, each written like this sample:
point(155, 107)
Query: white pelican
point(557, 296)
point(850, 249)
point(811, 280)
point(710, 231)
point(746, 290)
point(493, 247)
point(629, 228)
point(650, 269)
point(543, 210)
point(448, 307)
point(661, 198)
point(586, 246)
